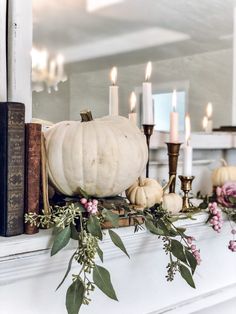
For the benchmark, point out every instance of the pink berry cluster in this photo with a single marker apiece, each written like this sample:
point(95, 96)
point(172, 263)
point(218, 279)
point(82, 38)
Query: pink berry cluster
point(194, 250)
point(216, 217)
point(90, 205)
point(232, 243)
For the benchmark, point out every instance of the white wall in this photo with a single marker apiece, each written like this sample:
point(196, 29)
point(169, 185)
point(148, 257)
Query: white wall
point(53, 107)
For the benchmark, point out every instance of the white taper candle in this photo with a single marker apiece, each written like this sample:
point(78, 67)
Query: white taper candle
point(188, 150)
point(148, 112)
point(113, 94)
point(174, 120)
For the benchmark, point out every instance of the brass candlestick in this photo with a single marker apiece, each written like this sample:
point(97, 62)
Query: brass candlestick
point(186, 187)
point(148, 130)
point(173, 154)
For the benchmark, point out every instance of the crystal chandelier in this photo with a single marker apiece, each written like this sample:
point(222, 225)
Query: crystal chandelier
point(47, 71)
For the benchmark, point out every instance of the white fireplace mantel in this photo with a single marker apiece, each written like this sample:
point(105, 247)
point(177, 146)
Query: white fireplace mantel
point(28, 272)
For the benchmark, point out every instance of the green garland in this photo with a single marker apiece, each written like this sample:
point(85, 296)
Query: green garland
point(73, 221)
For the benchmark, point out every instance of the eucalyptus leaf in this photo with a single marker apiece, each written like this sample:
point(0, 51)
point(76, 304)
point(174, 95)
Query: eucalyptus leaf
point(185, 273)
point(100, 253)
point(232, 200)
point(117, 241)
point(173, 233)
point(94, 227)
point(111, 217)
point(80, 206)
point(61, 240)
point(175, 218)
point(181, 230)
point(152, 228)
point(56, 230)
point(102, 280)
point(233, 217)
point(177, 250)
point(203, 205)
point(67, 271)
point(198, 196)
point(74, 296)
point(74, 233)
point(190, 215)
point(191, 260)
point(83, 193)
point(160, 223)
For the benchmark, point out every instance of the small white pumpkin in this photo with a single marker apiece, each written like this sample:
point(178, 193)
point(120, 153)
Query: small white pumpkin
point(223, 174)
point(145, 193)
point(103, 156)
point(171, 202)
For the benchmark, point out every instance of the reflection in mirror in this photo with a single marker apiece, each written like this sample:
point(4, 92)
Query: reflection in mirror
point(163, 108)
point(188, 42)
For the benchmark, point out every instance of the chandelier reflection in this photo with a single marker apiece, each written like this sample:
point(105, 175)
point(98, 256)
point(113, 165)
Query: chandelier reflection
point(47, 71)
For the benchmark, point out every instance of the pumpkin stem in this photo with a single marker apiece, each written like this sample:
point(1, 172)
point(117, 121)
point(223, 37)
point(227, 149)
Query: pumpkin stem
point(86, 115)
point(224, 163)
point(140, 181)
point(169, 183)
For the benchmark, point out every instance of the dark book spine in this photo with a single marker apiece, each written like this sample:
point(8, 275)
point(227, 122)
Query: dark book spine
point(12, 151)
point(32, 171)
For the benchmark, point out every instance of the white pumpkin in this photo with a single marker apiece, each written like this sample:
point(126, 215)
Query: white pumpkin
point(103, 156)
point(171, 202)
point(223, 174)
point(145, 193)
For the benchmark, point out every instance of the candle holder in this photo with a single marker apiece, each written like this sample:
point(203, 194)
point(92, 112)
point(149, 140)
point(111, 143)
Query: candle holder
point(173, 154)
point(186, 187)
point(148, 131)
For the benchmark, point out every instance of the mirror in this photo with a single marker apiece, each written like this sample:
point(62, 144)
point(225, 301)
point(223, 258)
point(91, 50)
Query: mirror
point(188, 42)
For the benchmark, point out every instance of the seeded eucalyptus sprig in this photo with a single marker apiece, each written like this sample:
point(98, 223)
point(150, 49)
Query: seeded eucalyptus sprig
point(75, 222)
point(183, 256)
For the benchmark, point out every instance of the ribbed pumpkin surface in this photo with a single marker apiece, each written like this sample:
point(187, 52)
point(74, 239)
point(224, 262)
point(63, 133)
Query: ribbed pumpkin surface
point(104, 156)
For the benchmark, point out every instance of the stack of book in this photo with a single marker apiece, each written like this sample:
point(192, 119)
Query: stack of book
point(20, 149)
point(20, 142)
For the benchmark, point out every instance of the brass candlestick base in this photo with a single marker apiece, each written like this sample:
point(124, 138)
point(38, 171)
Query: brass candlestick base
point(173, 153)
point(186, 187)
point(148, 130)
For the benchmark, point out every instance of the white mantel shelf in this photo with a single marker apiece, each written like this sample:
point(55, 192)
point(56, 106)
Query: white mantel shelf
point(42, 241)
point(28, 272)
point(201, 140)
